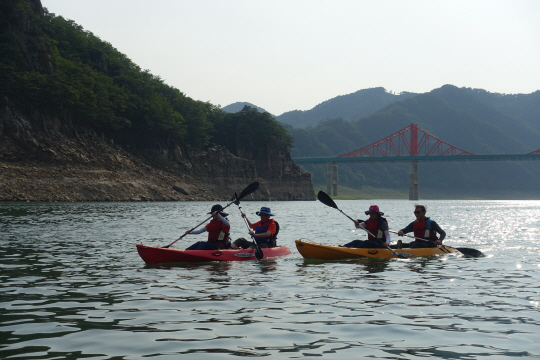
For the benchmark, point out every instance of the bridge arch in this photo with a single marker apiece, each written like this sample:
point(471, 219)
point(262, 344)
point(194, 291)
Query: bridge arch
point(411, 141)
point(400, 147)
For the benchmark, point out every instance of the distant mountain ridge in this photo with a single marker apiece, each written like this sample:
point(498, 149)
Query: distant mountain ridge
point(348, 107)
point(456, 116)
point(523, 106)
point(237, 106)
point(474, 120)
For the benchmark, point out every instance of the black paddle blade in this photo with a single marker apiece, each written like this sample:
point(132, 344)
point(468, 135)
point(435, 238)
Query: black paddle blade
point(326, 199)
point(236, 200)
point(404, 255)
point(251, 188)
point(258, 251)
point(470, 252)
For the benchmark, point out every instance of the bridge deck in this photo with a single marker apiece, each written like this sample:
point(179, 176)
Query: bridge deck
point(500, 157)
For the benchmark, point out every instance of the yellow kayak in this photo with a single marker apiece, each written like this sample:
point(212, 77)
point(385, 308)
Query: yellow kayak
point(311, 250)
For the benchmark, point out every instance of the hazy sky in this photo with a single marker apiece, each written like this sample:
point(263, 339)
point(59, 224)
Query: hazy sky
point(287, 55)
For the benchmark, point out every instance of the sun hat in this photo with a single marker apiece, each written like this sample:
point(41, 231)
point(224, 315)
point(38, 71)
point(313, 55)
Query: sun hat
point(264, 210)
point(219, 208)
point(374, 209)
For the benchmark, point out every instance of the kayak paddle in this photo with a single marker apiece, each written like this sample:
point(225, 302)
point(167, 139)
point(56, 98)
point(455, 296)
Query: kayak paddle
point(258, 251)
point(464, 251)
point(327, 200)
point(248, 190)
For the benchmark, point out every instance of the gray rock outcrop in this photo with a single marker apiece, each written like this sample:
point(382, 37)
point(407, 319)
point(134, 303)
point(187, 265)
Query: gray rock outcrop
point(43, 158)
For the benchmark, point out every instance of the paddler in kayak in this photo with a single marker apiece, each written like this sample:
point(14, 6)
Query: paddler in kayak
point(265, 231)
point(378, 236)
point(423, 228)
point(218, 231)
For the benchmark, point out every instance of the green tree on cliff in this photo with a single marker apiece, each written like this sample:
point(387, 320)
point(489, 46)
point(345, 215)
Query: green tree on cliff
point(250, 130)
point(97, 86)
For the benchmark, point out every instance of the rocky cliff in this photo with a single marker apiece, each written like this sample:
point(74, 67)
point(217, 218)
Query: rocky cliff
point(45, 157)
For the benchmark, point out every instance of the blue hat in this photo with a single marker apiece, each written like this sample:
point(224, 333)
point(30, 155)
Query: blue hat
point(264, 210)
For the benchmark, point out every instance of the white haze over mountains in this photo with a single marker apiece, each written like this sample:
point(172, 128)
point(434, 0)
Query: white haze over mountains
point(295, 54)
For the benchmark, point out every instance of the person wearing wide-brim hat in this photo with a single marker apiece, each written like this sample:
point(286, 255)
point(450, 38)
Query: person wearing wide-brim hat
point(218, 209)
point(263, 231)
point(376, 227)
point(218, 231)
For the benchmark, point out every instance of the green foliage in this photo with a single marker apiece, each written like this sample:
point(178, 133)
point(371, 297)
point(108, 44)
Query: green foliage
point(238, 106)
point(99, 87)
point(248, 130)
point(329, 138)
point(525, 107)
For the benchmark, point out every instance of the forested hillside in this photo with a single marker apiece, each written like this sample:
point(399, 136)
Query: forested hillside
point(461, 117)
point(523, 106)
point(348, 107)
point(79, 121)
point(97, 86)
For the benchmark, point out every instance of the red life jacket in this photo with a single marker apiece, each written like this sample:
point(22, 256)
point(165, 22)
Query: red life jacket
point(423, 231)
point(217, 231)
point(373, 227)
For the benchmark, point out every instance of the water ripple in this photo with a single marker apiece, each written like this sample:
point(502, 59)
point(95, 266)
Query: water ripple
point(74, 287)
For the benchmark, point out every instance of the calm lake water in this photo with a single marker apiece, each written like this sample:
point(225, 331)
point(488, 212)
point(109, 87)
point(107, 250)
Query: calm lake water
point(73, 286)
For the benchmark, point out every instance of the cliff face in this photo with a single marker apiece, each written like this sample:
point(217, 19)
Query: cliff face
point(43, 158)
point(280, 173)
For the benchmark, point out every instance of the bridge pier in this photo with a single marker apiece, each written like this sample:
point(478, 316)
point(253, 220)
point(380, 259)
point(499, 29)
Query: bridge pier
point(331, 178)
point(334, 182)
point(413, 180)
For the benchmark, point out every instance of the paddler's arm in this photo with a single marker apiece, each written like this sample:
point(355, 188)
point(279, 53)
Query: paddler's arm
point(263, 235)
point(387, 234)
point(383, 226)
point(359, 223)
point(270, 232)
point(249, 222)
point(223, 220)
point(406, 229)
point(195, 232)
point(435, 227)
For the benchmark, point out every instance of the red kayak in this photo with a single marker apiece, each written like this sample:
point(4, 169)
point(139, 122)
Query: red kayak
point(159, 255)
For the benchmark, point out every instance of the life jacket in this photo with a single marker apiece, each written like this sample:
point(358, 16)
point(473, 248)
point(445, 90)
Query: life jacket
point(375, 228)
point(422, 229)
point(218, 232)
point(262, 228)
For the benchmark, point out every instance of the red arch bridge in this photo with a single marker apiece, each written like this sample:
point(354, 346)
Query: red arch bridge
point(412, 144)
